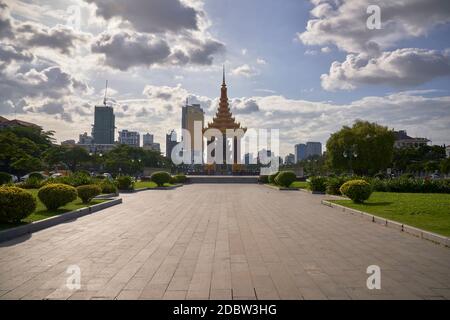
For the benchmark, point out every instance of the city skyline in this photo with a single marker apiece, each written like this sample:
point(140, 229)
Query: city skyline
point(294, 76)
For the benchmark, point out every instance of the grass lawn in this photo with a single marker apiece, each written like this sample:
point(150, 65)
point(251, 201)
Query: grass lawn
point(41, 211)
point(148, 184)
point(299, 184)
point(426, 211)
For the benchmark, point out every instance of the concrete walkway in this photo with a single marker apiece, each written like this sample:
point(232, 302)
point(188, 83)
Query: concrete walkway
point(222, 242)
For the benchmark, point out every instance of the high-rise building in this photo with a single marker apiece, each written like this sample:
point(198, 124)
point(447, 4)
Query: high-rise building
point(191, 114)
point(171, 142)
point(313, 149)
point(147, 139)
point(131, 138)
point(104, 125)
point(85, 139)
point(289, 159)
point(300, 152)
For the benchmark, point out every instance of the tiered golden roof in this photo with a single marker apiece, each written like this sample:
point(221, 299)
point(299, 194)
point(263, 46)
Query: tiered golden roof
point(224, 119)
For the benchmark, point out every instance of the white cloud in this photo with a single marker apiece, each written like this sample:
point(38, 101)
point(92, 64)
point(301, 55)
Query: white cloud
point(343, 23)
point(245, 70)
point(261, 61)
point(370, 60)
point(402, 67)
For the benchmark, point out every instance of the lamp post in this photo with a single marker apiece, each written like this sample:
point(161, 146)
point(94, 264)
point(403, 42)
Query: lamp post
point(350, 154)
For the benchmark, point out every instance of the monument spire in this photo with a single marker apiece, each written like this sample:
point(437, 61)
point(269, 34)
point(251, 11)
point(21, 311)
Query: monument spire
point(223, 82)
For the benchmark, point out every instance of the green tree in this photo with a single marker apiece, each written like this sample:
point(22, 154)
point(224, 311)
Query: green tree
point(445, 166)
point(74, 157)
point(26, 164)
point(364, 148)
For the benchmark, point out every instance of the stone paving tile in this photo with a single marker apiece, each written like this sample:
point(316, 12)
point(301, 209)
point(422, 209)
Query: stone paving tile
point(222, 242)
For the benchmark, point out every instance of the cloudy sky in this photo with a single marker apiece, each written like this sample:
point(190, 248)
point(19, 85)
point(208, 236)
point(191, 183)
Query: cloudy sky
point(303, 67)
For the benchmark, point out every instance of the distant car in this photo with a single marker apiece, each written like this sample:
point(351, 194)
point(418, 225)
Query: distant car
point(108, 176)
point(435, 176)
point(25, 177)
point(56, 175)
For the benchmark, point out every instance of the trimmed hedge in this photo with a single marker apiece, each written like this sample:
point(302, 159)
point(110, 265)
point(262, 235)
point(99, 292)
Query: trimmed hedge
point(160, 178)
point(318, 184)
point(15, 204)
point(179, 178)
point(74, 180)
point(263, 179)
point(5, 178)
point(124, 183)
point(285, 178)
point(108, 187)
point(56, 195)
point(272, 177)
point(88, 192)
point(410, 185)
point(357, 190)
point(32, 183)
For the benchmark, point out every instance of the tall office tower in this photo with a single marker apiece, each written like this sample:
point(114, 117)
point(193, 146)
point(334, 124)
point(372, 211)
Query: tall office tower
point(131, 138)
point(289, 159)
point(171, 142)
point(147, 139)
point(313, 149)
point(104, 125)
point(190, 114)
point(300, 152)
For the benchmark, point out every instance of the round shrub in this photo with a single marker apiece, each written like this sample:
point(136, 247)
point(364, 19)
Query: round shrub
point(263, 179)
point(160, 177)
point(88, 192)
point(272, 177)
point(357, 190)
point(15, 204)
point(124, 183)
point(56, 195)
point(108, 187)
point(285, 178)
point(180, 178)
point(317, 184)
point(5, 178)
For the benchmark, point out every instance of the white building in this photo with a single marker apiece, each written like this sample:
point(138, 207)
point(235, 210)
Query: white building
point(402, 140)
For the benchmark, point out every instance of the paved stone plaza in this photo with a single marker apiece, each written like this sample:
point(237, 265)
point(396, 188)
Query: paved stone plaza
point(222, 242)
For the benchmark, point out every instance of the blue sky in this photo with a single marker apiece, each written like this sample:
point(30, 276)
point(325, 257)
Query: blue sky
point(303, 67)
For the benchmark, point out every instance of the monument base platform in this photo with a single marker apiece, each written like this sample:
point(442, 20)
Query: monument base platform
point(223, 179)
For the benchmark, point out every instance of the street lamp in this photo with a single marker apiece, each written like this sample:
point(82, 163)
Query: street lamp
point(350, 154)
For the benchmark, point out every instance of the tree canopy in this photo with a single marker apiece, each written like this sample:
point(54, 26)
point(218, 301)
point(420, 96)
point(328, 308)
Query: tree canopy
point(364, 148)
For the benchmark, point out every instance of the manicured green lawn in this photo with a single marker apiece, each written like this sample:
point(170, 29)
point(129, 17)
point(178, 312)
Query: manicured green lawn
point(299, 184)
point(422, 210)
point(148, 184)
point(41, 211)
